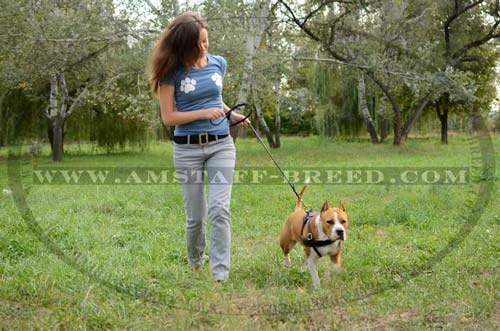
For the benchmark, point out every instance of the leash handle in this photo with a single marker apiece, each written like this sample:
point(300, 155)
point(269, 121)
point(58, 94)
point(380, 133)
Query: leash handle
point(228, 116)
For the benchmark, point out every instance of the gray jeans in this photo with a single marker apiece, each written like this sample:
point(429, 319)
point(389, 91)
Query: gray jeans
point(214, 163)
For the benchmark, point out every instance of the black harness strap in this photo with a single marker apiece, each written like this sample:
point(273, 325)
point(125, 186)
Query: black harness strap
point(309, 241)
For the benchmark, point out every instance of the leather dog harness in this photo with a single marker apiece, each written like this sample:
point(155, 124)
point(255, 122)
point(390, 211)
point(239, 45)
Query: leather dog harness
point(309, 241)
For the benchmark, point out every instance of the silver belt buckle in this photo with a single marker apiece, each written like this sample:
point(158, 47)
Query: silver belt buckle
point(201, 136)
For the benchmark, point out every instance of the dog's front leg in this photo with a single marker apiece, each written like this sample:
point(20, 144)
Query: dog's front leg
point(336, 261)
point(312, 261)
point(286, 261)
point(304, 265)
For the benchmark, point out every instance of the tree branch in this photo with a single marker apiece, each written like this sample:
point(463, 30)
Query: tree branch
point(65, 95)
point(77, 100)
point(359, 66)
point(454, 16)
point(79, 39)
point(312, 13)
point(470, 58)
point(91, 55)
point(300, 24)
point(86, 89)
point(154, 8)
point(457, 12)
point(492, 34)
point(413, 117)
point(387, 92)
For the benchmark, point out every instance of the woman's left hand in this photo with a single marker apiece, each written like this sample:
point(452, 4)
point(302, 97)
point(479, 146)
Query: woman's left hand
point(235, 117)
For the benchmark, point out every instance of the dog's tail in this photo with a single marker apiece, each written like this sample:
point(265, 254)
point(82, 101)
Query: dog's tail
point(300, 202)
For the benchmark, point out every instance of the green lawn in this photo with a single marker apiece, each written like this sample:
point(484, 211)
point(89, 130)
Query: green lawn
point(112, 257)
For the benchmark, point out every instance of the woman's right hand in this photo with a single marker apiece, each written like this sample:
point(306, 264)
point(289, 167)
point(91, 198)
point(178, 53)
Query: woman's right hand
point(212, 113)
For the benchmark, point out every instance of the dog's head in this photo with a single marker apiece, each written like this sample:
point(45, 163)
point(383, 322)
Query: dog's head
point(334, 221)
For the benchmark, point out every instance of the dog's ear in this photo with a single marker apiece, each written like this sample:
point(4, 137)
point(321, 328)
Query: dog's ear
point(325, 206)
point(341, 206)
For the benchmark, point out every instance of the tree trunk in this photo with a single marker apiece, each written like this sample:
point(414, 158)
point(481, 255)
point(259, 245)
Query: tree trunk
point(50, 135)
point(443, 119)
point(57, 124)
point(277, 105)
point(252, 43)
point(477, 121)
point(260, 117)
point(256, 124)
point(384, 123)
point(364, 109)
point(57, 114)
point(55, 131)
point(395, 107)
point(277, 125)
point(236, 131)
point(397, 128)
point(415, 115)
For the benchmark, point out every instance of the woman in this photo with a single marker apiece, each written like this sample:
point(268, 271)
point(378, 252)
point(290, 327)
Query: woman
point(188, 81)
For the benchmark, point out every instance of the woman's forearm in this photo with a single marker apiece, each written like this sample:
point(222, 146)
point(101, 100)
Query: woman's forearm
point(171, 118)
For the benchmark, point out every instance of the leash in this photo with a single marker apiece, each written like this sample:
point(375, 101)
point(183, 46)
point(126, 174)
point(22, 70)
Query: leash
point(308, 241)
point(278, 166)
point(228, 115)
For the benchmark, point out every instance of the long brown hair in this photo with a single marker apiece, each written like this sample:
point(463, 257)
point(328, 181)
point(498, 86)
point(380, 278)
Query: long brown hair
point(177, 45)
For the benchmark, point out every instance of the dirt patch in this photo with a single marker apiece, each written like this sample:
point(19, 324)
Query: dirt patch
point(390, 321)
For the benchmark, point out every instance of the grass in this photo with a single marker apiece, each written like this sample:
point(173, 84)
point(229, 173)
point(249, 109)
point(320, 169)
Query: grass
point(113, 257)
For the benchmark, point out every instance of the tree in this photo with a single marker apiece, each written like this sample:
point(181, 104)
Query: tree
point(400, 41)
point(58, 47)
point(257, 22)
point(240, 29)
point(466, 52)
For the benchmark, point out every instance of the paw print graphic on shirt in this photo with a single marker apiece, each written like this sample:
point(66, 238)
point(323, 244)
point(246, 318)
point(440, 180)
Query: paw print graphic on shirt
point(217, 79)
point(188, 85)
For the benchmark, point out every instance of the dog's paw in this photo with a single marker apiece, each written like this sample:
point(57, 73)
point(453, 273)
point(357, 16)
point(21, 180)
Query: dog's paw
point(286, 261)
point(330, 272)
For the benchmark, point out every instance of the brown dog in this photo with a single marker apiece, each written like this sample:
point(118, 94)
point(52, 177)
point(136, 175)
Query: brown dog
point(326, 231)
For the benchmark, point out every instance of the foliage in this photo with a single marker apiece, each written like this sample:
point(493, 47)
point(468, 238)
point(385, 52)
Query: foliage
point(483, 76)
point(228, 23)
point(122, 110)
point(44, 38)
point(85, 41)
point(20, 117)
point(400, 45)
point(337, 113)
point(112, 132)
point(496, 122)
point(297, 113)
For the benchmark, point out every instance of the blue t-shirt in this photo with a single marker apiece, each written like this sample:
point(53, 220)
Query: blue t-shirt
point(198, 89)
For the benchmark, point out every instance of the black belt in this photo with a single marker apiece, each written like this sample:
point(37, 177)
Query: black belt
point(200, 138)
